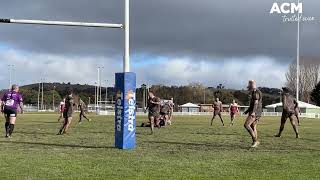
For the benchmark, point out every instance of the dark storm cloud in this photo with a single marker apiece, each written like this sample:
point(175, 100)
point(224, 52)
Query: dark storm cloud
point(192, 28)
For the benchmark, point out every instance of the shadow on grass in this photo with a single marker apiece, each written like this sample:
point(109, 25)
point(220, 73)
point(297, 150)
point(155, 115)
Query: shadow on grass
point(208, 145)
point(214, 133)
point(52, 122)
point(33, 133)
point(59, 145)
point(54, 132)
point(222, 146)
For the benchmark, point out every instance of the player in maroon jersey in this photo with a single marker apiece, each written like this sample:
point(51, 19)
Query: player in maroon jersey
point(62, 105)
point(233, 111)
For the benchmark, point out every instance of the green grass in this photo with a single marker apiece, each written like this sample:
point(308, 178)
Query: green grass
point(190, 149)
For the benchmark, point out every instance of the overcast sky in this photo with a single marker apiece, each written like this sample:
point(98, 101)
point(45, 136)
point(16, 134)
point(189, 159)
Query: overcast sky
point(174, 42)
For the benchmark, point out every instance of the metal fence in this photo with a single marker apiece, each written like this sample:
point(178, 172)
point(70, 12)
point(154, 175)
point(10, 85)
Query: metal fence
point(275, 114)
point(31, 108)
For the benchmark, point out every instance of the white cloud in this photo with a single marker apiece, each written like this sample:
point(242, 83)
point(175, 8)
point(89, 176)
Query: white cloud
point(233, 73)
point(31, 67)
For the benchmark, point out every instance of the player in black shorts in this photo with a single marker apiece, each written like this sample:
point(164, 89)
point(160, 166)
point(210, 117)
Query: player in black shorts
point(254, 112)
point(11, 102)
point(67, 113)
point(154, 111)
point(289, 110)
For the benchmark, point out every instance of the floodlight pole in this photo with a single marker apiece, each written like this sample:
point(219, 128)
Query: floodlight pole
point(98, 90)
point(10, 78)
point(106, 93)
point(100, 86)
point(39, 95)
point(298, 57)
point(95, 95)
point(10, 74)
point(42, 106)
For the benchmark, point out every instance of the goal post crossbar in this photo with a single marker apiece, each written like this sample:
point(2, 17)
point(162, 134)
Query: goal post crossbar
point(61, 23)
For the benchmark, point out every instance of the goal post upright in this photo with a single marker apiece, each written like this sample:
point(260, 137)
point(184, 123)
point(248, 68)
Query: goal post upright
point(125, 86)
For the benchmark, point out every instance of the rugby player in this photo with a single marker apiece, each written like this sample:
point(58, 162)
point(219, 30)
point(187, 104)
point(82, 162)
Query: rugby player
point(67, 113)
point(165, 114)
point(254, 112)
point(289, 110)
point(217, 109)
point(62, 104)
point(82, 107)
point(171, 104)
point(297, 112)
point(11, 101)
point(233, 111)
point(154, 111)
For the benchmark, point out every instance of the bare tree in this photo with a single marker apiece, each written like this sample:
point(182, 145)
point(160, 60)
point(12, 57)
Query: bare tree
point(308, 79)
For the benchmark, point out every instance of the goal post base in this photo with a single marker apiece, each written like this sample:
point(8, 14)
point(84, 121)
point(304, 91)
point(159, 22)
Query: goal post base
point(125, 110)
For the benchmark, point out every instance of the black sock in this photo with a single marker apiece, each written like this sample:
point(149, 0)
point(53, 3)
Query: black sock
point(11, 129)
point(7, 127)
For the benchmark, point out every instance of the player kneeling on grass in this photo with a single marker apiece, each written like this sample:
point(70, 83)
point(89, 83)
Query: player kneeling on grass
point(165, 114)
point(164, 118)
point(254, 112)
point(67, 113)
point(289, 107)
point(154, 111)
point(9, 106)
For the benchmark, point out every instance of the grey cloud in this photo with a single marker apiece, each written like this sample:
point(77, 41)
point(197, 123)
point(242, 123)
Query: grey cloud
point(202, 28)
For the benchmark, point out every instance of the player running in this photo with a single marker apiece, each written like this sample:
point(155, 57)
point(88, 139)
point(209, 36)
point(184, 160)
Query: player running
point(289, 107)
point(233, 111)
point(82, 107)
point(154, 111)
point(67, 113)
point(254, 112)
point(62, 104)
point(217, 109)
point(11, 101)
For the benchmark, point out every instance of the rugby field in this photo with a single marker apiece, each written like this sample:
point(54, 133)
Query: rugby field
point(189, 149)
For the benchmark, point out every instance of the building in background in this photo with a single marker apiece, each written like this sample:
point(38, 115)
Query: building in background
point(304, 108)
point(209, 108)
point(189, 107)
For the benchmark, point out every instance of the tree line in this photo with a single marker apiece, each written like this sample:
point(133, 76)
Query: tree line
point(309, 74)
point(194, 93)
